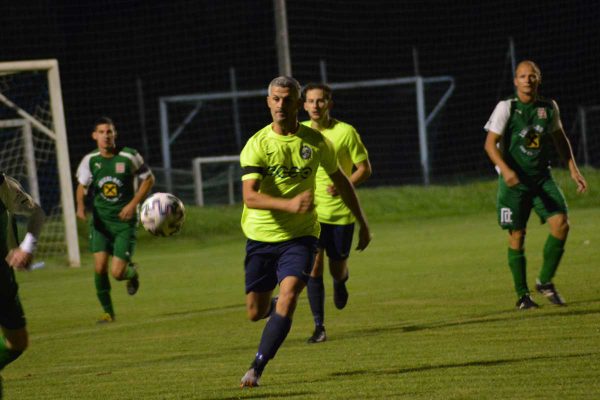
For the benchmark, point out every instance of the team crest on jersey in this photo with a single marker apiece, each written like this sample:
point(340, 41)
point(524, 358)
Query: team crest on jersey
point(541, 111)
point(120, 168)
point(306, 152)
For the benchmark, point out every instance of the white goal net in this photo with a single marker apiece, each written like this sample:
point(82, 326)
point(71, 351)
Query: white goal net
point(33, 149)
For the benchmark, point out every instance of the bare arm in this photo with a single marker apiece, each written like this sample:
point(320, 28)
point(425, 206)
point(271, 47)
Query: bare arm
point(346, 190)
point(491, 148)
point(253, 198)
point(563, 146)
point(362, 172)
point(128, 211)
point(80, 200)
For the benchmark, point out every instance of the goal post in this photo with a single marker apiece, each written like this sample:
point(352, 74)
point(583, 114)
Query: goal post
point(200, 182)
point(31, 91)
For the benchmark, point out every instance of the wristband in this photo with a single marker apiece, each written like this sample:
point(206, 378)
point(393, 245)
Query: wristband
point(29, 243)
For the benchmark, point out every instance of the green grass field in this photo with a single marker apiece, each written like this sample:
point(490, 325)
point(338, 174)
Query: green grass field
point(431, 314)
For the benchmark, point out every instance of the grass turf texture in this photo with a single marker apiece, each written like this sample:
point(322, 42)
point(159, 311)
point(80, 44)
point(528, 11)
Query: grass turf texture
point(431, 314)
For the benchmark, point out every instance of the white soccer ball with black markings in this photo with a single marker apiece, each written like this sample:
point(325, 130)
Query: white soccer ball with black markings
point(162, 214)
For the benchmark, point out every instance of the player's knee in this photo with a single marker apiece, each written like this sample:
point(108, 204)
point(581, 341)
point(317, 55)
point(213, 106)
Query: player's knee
point(254, 314)
point(286, 304)
point(338, 269)
point(516, 239)
point(18, 342)
point(118, 275)
point(561, 226)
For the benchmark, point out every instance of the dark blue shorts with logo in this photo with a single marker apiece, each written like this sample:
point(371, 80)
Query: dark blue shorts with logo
point(267, 264)
point(336, 240)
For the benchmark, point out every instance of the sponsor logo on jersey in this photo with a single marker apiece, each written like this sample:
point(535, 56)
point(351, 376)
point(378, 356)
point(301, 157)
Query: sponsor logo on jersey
point(505, 216)
point(541, 112)
point(305, 152)
point(110, 188)
point(532, 136)
point(97, 165)
point(532, 140)
point(120, 168)
point(281, 171)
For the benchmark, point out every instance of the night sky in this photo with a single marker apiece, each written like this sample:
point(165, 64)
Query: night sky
point(183, 47)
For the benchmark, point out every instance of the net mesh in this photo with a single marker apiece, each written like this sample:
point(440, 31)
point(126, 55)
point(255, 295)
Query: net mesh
point(151, 50)
point(29, 155)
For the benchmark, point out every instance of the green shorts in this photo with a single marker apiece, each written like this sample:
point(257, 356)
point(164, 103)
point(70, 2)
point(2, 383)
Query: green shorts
point(114, 237)
point(514, 203)
point(12, 315)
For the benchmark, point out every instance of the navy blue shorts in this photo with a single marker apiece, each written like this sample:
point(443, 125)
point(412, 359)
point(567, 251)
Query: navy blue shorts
point(336, 240)
point(267, 264)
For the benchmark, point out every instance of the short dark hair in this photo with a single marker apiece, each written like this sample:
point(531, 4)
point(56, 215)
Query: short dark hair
point(314, 85)
point(101, 121)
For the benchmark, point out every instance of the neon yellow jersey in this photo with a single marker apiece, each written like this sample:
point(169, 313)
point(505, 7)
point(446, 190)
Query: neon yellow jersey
point(350, 150)
point(286, 166)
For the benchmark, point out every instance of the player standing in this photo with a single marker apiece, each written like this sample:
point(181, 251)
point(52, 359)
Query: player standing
point(279, 166)
point(336, 219)
point(527, 127)
point(14, 200)
point(110, 172)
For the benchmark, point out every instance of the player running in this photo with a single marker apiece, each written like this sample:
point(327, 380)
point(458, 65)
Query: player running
point(336, 219)
point(110, 173)
point(279, 166)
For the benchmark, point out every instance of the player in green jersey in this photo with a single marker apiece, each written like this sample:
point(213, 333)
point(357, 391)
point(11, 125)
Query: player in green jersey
point(110, 173)
point(522, 132)
point(279, 165)
point(336, 219)
point(14, 201)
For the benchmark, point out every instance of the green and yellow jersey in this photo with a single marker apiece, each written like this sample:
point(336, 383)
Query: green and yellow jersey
point(112, 180)
point(350, 151)
point(286, 167)
point(526, 130)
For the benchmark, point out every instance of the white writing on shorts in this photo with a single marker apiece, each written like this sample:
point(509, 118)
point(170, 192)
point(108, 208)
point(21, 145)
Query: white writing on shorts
point(505, 216)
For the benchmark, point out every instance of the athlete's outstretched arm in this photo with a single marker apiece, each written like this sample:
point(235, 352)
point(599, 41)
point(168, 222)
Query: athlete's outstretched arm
point(253, 198)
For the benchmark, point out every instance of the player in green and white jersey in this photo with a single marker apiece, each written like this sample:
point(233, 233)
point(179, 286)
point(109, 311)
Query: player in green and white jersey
point(110, 174)
point(522, 132)
point(279, 166)
point(14, 201)
point(336, 219)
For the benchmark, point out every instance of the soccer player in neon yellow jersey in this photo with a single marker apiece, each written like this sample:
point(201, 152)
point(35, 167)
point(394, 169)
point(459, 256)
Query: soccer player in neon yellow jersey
point(527, 127)
point(336, 219)
point(13, 200)
point(279, 166)
point(111, 172)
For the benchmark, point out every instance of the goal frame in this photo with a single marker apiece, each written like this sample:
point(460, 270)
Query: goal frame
point(59, 134)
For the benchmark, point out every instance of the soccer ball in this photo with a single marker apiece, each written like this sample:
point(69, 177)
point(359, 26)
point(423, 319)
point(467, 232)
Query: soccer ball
point(162, 214)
